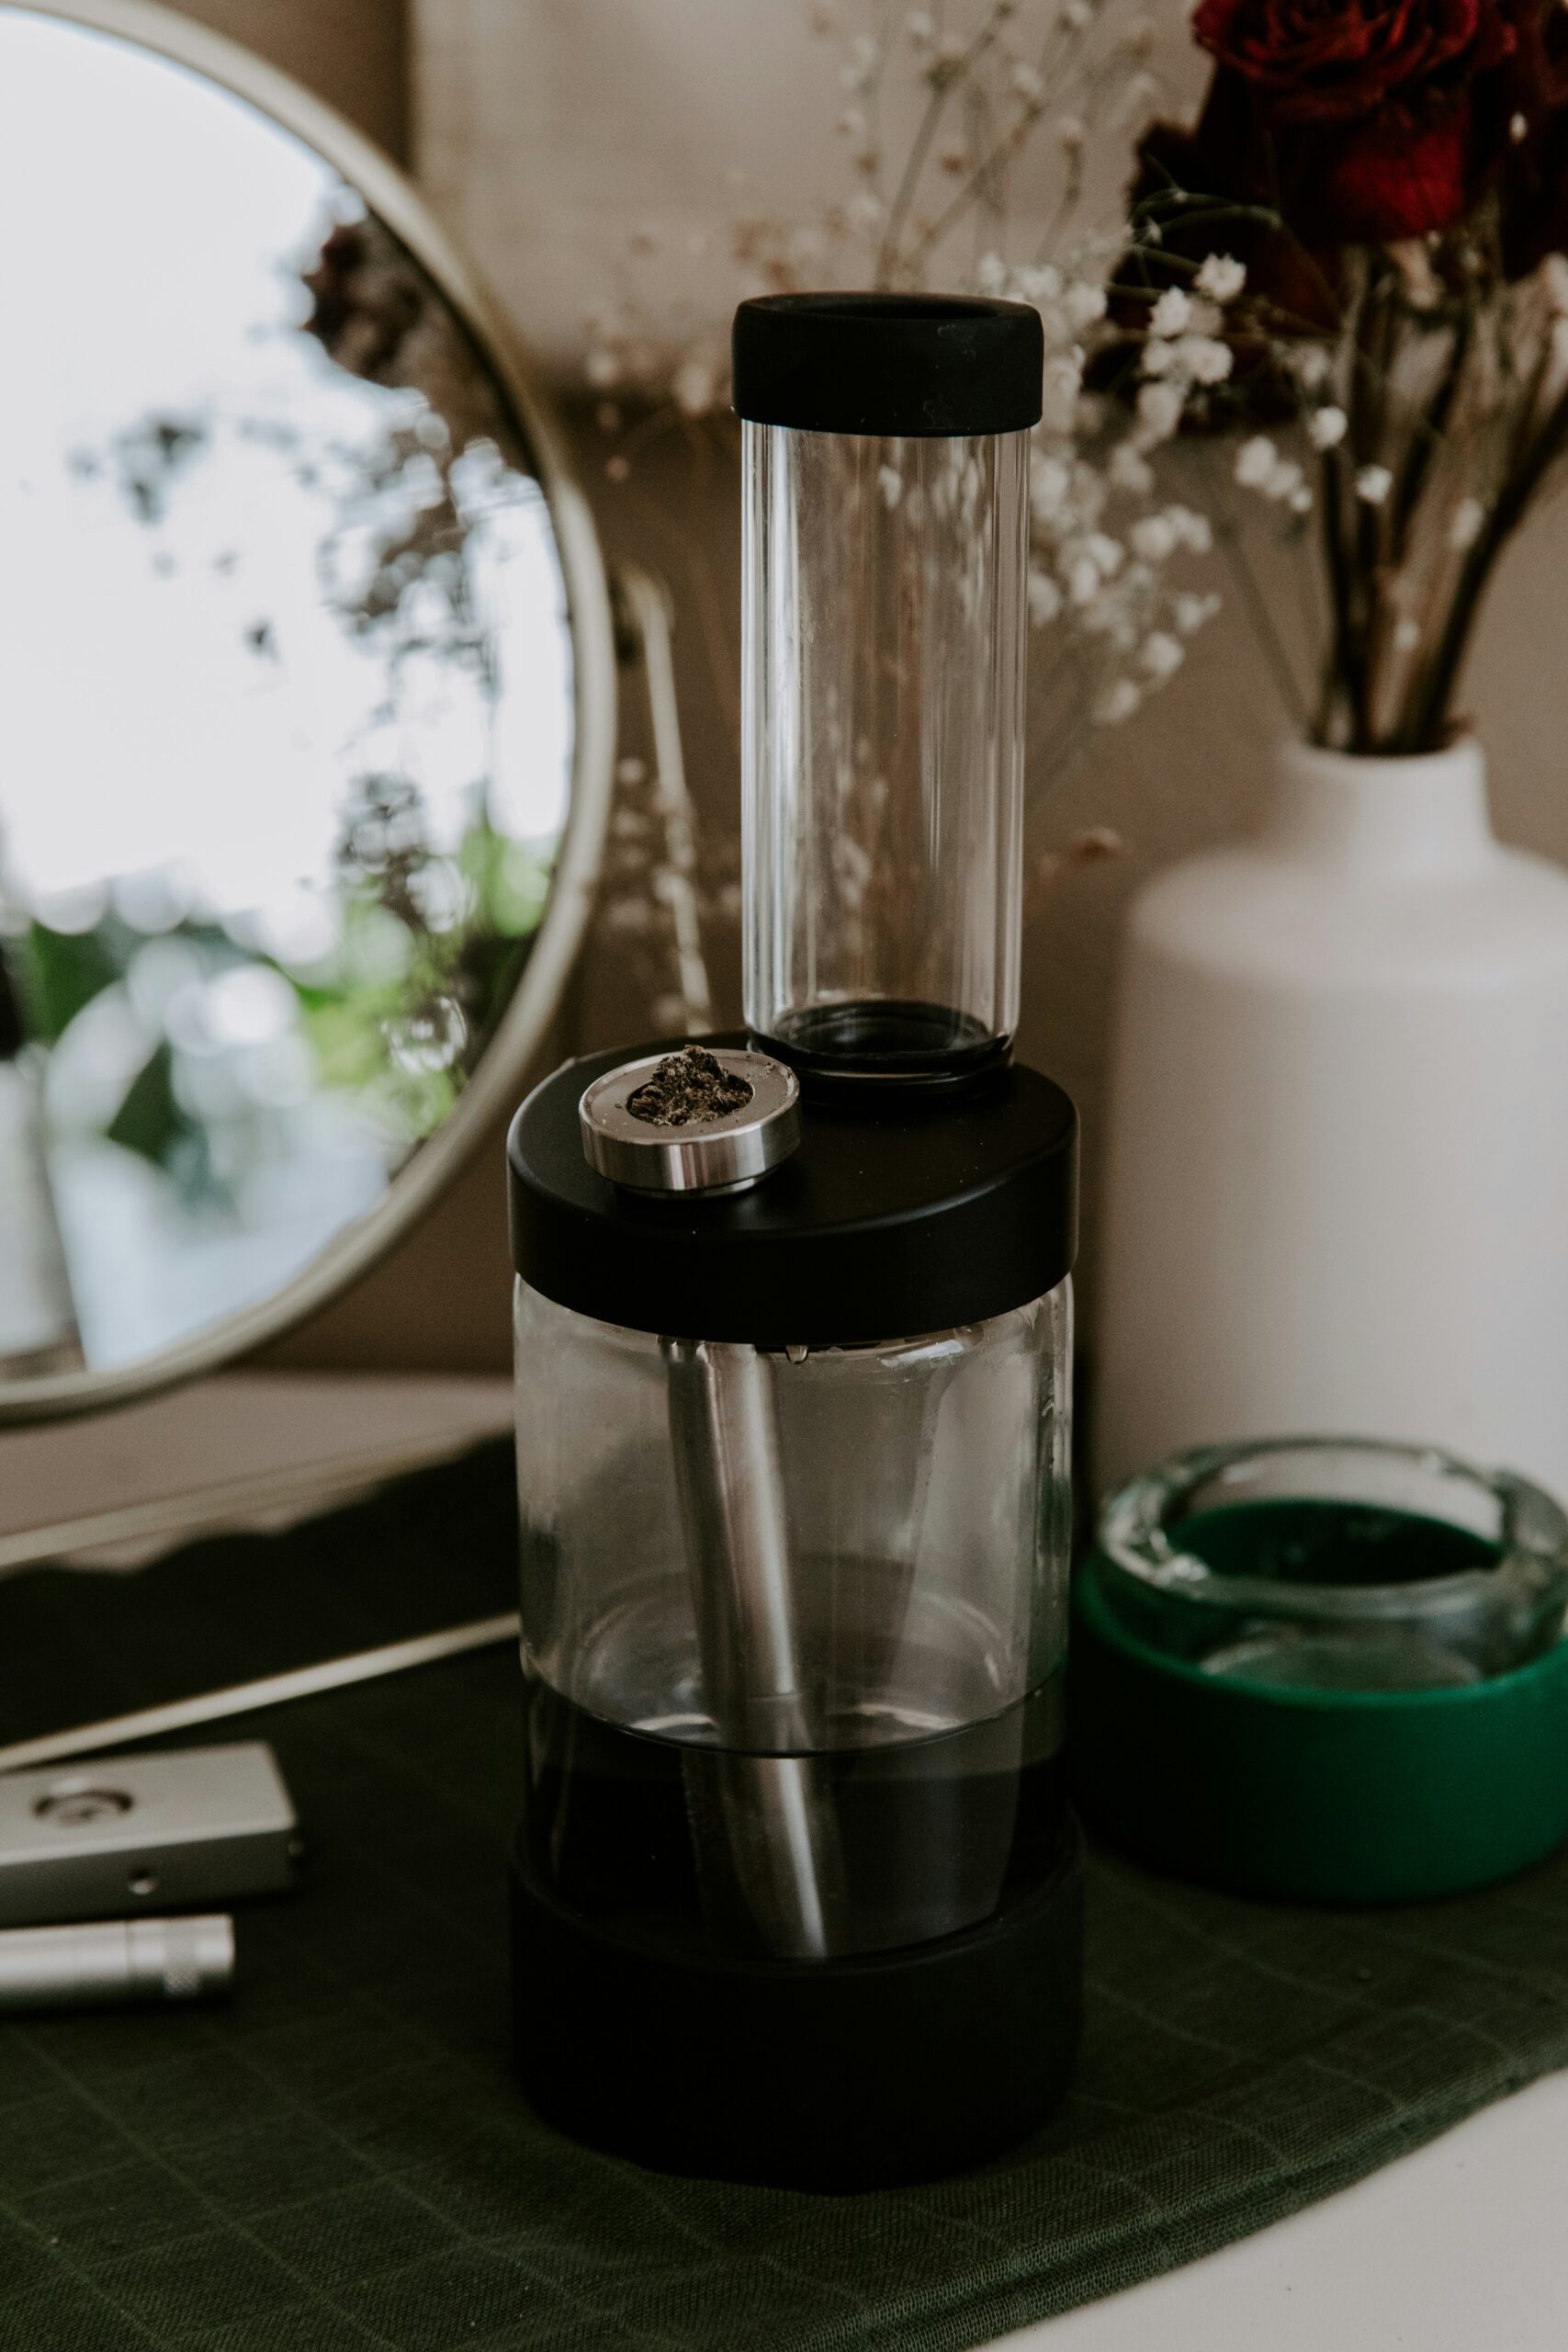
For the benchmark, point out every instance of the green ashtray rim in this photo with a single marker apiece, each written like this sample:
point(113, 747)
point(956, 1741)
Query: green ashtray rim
point(1320, 1796)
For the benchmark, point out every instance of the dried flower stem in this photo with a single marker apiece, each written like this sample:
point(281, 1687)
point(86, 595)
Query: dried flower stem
point(1232, 544)
point(1431, 701)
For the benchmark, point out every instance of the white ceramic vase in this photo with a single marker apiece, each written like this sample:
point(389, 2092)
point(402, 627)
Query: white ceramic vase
point(1337, 1197)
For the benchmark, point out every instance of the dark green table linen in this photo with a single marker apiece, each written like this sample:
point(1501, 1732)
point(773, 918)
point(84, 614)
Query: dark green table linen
point(337, 2159)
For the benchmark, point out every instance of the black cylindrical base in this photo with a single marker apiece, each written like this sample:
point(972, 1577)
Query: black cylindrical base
point(841, 2074)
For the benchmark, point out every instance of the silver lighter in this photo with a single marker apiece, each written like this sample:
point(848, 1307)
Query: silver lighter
point(128, 1833)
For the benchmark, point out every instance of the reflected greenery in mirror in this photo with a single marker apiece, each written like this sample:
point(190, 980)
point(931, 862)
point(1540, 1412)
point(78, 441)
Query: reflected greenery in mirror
point(289, 723)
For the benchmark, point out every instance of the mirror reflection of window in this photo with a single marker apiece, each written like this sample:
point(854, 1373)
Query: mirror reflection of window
point(287, 735)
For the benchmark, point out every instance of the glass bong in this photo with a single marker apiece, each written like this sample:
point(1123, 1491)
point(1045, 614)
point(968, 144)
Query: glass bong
point(795, 1892)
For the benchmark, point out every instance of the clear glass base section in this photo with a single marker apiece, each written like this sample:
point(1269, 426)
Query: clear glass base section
point(854, 1849)
point(882, 1663)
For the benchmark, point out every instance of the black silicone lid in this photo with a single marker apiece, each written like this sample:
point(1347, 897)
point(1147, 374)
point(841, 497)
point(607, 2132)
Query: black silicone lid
point(916, 365)
point(884, 1224)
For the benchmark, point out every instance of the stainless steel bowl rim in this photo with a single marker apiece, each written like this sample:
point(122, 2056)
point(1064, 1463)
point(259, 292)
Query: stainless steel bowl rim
point(722, 1154)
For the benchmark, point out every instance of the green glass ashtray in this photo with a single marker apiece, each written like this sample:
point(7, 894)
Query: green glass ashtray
point(1325, 1667)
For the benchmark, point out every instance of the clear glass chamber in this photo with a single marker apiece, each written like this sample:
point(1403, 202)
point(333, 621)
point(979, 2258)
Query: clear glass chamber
point(856, 1752)
point(883, 626)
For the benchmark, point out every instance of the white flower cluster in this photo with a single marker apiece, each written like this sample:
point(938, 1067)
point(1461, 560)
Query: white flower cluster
point(1103, 542)
point(1184, 343)
point(1260, 466)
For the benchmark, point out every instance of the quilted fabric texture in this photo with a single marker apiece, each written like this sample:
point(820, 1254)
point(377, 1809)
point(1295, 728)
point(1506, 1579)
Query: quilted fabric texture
point(337, 2160)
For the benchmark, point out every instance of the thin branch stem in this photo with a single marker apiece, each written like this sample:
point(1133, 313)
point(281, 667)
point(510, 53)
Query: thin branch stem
point(1342, 670)
point(914, 164)
point(1368, 410)
point(1428, 708)
point(1431, 437)
point(972, 188)
point(951, 80)
point(1232, 542)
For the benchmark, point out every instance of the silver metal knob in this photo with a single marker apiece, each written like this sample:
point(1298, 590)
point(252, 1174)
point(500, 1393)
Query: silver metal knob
point(669, 1142)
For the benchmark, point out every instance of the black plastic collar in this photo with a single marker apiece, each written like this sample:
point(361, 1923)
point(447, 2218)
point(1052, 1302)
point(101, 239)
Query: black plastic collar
point(886, 1223)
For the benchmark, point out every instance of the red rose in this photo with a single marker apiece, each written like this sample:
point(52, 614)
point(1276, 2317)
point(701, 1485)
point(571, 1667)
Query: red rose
point(1344, 59)
point(1228, 159)
point(1330, 123)
point(1362, 114)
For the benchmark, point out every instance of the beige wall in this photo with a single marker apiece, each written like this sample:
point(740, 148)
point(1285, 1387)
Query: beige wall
point(353, 53)
point(1187, 770)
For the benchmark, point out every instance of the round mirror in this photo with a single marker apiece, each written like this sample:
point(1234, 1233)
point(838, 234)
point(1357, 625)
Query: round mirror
point(307, 709)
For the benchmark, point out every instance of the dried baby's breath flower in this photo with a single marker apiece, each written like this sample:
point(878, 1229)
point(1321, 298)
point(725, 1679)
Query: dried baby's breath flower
point(1255, 461)
point(1159, 412)
point(1118, 703)
point(1468, 521)
point(1161, 654)
point(695, 385)
point(1171, 312)
point(1190, 612)
point(1221, 277)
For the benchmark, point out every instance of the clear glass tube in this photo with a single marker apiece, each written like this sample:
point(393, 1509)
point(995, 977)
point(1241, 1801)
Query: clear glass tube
point(882, 676)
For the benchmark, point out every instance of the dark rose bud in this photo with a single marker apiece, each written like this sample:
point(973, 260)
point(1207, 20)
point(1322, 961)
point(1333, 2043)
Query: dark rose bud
point(1370, 104)
point(1229, 159)
point(1346, 59)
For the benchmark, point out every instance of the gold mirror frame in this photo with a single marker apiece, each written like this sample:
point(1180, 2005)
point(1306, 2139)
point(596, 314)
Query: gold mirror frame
point(522, 1029)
